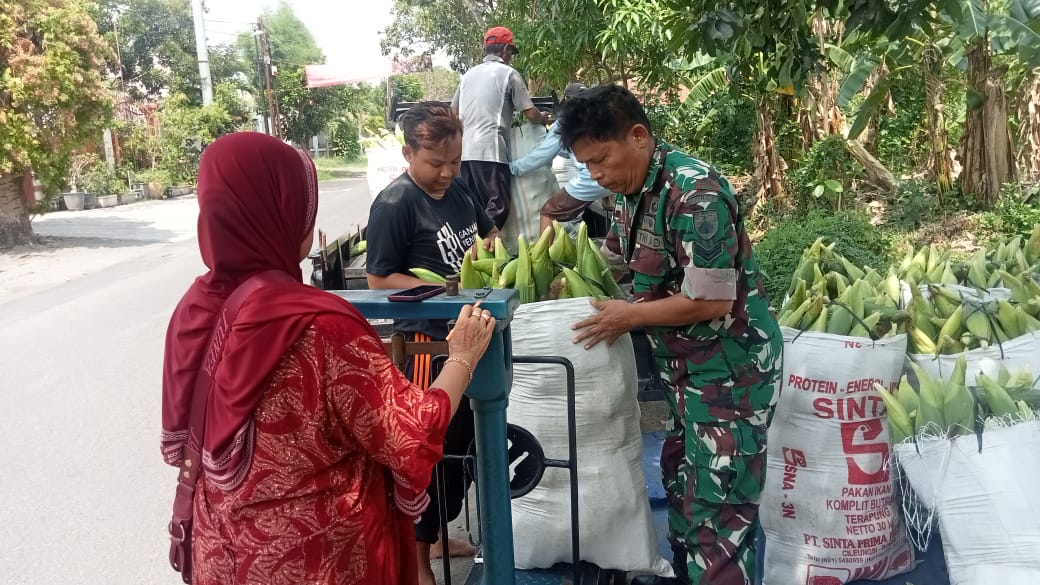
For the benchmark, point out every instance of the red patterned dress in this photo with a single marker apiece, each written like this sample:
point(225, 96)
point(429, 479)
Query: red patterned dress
point(343, 450)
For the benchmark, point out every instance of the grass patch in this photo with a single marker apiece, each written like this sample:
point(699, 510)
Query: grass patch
point(334, 163)
point(332, 168)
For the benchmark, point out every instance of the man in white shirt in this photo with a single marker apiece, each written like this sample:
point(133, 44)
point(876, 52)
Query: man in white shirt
point(579, 192)
point(485, 100)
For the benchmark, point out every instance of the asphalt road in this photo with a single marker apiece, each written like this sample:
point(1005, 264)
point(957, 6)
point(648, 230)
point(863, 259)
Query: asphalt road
point(84, 494)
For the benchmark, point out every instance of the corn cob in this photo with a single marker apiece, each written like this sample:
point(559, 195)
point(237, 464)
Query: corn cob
point(427, 275)
point(508, 277)
point(899, 425)
point(797, 294)
point(496, 275)
point(958, 404)
point(468, 276)
point(501, 254)
point(576, 286)
point(812, 313)
point(930, 411)
point(867, 327)
point(907, 396)
point(840, 321)
point(793, 317)
point(524, 277)
point(997, 398)
point(604, 275)
point(482, 253)
point(486, 265)
point(558, 287)
point(541, 264)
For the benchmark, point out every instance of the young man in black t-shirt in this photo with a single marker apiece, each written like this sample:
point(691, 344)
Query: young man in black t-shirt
point(426, 219)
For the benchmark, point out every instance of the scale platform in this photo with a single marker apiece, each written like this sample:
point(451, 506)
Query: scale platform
point(561, 574)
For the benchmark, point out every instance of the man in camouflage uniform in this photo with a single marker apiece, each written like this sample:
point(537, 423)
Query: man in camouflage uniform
point(697, 290)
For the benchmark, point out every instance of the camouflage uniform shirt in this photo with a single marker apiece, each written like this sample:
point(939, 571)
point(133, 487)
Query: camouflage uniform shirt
point(684, 234)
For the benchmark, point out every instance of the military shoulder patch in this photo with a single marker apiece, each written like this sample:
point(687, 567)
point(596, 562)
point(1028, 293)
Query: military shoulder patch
point(706, 223)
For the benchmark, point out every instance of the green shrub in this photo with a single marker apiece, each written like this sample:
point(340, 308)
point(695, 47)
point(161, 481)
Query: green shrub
point(344, 140)
point(1012, 215)
point(719, 130)
point(100, 180)
point(915, 204)
point(902, 135)
point(824, 175)
point(781, 249)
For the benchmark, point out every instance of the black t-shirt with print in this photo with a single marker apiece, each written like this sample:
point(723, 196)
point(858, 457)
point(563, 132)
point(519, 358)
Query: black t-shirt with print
point(409, 229)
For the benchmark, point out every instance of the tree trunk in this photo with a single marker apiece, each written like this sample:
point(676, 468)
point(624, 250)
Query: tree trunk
point(820, 115)
point(986, 153)
point(769, 167)
point(14, 218)
point(877, 174)
point(1029, 127)
point(940, 163)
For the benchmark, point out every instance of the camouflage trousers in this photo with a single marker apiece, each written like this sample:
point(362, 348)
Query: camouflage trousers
point(713, 476)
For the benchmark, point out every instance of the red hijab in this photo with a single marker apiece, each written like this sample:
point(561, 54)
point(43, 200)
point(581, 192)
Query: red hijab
point(258, 199)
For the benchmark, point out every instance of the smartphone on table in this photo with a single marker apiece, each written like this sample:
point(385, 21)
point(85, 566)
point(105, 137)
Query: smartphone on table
point(417, 293)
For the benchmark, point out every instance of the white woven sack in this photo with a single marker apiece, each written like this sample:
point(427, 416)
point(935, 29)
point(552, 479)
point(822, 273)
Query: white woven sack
point(1022, 352)
point(384, 165)
point(616, 526)
point(531, 191)
point(986, 504)
point(829, 509)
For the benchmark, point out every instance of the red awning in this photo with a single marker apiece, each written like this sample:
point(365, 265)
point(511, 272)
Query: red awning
point(329, 75)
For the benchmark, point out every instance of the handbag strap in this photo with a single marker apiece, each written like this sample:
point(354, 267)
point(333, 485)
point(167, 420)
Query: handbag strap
point(191, 462)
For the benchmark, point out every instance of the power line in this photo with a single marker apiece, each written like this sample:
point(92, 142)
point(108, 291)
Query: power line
point(210, 31)
point(229, 22)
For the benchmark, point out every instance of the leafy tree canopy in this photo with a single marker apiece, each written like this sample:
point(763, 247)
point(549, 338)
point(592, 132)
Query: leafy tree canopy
point(53, 96)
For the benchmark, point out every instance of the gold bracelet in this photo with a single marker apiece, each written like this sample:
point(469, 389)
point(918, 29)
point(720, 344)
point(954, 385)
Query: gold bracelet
point(465, 364)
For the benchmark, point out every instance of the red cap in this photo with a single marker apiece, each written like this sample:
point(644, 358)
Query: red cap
point(498, 35)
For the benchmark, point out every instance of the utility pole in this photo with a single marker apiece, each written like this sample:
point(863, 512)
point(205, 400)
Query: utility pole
point(260, 74)
point(272, 105)
point(198, 11)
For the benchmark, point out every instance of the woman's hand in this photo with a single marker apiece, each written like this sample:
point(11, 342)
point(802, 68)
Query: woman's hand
point(471, 335)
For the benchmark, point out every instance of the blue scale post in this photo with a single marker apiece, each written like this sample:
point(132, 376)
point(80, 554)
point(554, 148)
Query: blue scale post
point(489, 393)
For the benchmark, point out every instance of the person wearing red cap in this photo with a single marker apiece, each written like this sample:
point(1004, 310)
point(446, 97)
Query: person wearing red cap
point(486, 98)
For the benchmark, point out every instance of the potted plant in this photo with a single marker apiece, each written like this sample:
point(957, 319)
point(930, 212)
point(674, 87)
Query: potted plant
point(127, 194)
point(108, 186)
point(156, 182)
point(95, 183)
point(76, 198)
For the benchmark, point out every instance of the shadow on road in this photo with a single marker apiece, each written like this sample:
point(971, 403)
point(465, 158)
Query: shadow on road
point(100, 232)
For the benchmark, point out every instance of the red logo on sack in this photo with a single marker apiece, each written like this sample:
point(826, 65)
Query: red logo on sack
point(793, 459)
point(818, 575)
point(859, 439)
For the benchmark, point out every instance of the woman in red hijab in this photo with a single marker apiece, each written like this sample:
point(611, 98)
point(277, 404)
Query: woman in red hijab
point(316, 452)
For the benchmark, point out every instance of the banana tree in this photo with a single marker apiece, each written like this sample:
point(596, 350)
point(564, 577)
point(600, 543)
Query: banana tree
point(764, 48)
point(987, 151)
point(1028, 156)
point(819, 114)
point(873, 71)
point(971, 32)
point(1018, 35)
